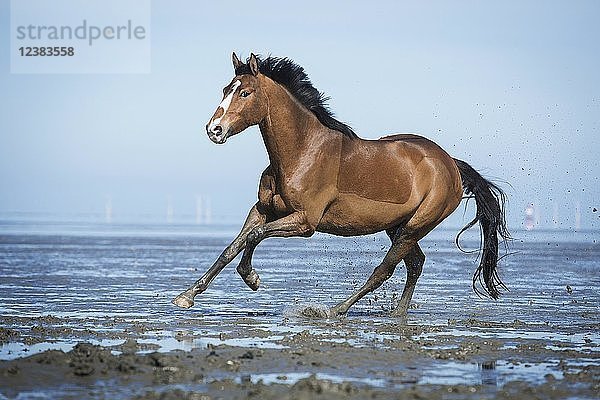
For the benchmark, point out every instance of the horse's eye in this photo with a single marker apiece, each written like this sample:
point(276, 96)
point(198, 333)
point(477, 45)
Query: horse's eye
point(244, 93)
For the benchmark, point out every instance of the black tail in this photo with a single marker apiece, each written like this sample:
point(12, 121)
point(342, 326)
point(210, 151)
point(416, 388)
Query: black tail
point(490, 200)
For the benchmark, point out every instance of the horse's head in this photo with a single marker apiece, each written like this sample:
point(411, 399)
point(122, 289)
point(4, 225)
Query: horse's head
point(242, 105)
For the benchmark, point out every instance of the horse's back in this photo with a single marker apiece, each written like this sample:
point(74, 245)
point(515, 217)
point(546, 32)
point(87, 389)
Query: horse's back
point(404, 136)
point(428, 147)
point(390, 168)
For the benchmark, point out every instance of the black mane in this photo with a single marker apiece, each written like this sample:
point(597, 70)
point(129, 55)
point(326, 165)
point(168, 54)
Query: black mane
point(289, 74)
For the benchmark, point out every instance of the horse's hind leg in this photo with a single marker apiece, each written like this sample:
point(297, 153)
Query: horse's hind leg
point(414, 261)
point(401, 245)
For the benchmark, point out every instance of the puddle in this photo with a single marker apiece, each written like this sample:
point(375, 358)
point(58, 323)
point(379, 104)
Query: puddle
point(187, 344)
point(291, 378)
point(495, 373)
point(587, 342)
point(12, 350)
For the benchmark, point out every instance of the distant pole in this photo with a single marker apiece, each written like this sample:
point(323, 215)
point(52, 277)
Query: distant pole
point(169, 210)
point(108, 211)
point(577, 216)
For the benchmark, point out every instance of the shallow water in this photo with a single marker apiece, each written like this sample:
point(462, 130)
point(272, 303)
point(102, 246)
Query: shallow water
point(99, 282)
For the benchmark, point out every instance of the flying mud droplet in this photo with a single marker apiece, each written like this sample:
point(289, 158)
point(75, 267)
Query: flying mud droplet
point(307, 310)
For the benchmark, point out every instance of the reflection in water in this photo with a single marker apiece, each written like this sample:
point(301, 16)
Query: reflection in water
point(489, 375)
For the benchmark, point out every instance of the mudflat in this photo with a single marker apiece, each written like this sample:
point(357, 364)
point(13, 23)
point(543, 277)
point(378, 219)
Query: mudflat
point(85, 312)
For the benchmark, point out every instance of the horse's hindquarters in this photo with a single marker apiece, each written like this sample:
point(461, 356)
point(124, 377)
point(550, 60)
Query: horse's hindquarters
point(390, 183)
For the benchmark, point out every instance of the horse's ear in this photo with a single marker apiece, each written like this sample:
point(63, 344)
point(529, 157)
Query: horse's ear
point(236, 61)
point(253, 64)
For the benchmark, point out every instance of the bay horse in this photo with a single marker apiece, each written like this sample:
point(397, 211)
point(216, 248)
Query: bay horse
point(323, 178)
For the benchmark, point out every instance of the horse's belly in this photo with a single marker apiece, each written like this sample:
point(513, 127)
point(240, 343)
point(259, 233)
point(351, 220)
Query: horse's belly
point(352, 215)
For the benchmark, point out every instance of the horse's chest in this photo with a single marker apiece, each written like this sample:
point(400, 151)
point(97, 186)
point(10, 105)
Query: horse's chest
point(277, 204)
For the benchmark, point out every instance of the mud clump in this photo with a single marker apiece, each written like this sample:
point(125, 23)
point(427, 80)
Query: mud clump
point(176, 394)
point(307, 310)
point(301, 370)
point(320, 386)
point(86, 358)
point(7, 335)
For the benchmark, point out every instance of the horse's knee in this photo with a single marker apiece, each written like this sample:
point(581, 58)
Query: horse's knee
point(254, 236)
point(305, 228)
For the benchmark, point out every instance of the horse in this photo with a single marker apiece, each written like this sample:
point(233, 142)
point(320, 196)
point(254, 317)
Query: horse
point(322, 177)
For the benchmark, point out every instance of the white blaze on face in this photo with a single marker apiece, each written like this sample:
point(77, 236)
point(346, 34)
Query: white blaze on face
point(226, 102)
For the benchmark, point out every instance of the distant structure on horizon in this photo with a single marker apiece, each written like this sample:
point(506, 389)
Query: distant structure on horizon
point(531, 217)
point(203, 214)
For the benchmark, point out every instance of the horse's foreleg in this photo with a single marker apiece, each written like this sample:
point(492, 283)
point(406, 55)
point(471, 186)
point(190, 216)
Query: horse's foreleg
point(294, 224)
point(186, 298)
point(400, 247)
point(414, 261)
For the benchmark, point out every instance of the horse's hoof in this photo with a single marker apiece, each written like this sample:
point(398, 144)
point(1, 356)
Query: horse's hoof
point(400, 310)
point(399, 313)
point(400, 316)
point(183, 301)
point(334, 312)
point(253, 280)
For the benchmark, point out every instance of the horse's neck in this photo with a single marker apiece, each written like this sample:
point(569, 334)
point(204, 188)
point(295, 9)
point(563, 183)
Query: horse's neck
point(289, 130)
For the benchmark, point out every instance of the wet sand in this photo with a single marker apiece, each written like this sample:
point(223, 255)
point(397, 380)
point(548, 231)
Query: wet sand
point(86, 313)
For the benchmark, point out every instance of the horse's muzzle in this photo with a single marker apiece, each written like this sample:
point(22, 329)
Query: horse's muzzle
point(216, 133)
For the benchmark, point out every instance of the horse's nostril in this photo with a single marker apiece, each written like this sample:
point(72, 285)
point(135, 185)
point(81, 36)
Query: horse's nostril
point(217, 129)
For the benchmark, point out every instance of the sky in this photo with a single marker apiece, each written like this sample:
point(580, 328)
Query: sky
point(510, 87)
